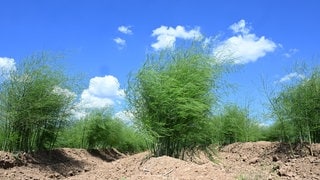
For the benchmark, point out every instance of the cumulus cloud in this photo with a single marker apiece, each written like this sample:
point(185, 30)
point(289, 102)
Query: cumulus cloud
point(102, 91)
point(120, 42)
point(244, 47)
point(6, 65)
point(167, 36)
point(291, 76)
point(125, 29)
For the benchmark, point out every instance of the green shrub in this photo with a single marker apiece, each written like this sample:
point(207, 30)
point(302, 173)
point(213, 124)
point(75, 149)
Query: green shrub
point(100, 130)
point(172, 96)
point(35, 103)
point(297, 107)
point(234, 125)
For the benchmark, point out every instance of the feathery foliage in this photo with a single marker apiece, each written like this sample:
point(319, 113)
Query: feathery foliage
point(234, 125)
point(172, 96)
point(100, 130)
point(298, 106)
point(35, 104)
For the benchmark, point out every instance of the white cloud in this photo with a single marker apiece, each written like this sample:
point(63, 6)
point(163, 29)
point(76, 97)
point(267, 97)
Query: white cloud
point(66, 92)
point(125, 116)
point(240, 27)
point(291, 52)
point(167, 36)
point(245, 47)
point(120, 42)
point(6, 65)
point(291, 76)
point(125, 29)
point(102, 91)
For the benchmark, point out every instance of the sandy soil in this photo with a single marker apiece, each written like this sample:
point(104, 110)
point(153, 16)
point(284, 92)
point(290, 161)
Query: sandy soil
point(258, 160)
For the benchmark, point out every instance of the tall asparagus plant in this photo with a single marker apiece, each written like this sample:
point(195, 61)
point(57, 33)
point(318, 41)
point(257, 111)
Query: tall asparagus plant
point(172, 97)
point(35, 104)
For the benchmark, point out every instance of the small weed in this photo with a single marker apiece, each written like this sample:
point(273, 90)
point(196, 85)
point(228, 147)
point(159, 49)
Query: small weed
point(241, 177)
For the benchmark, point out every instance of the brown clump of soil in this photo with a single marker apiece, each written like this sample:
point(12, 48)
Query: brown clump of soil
point(54, 164)
point(271, 160)
point(252, 160)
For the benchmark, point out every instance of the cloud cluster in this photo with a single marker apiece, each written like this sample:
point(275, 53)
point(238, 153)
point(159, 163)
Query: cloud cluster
point(167, 36)
point(125, 116)
point(243, 46)
point(102, 91)
point(291, 76)
point(125, 29)
point(6, 65)
point(120, 41)
point(65, 92)
point(240, 27)
point(290, 53)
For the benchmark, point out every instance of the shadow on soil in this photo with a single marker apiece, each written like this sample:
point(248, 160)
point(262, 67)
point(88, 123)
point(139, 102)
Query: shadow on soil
point(56, 160)
point(60, 162)
point(287, 151)
point(106, 154)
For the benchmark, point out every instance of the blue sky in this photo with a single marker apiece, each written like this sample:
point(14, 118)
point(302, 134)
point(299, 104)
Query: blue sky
point(108, 39)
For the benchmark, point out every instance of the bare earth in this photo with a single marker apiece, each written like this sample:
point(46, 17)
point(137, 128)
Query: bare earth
point(258, 160)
